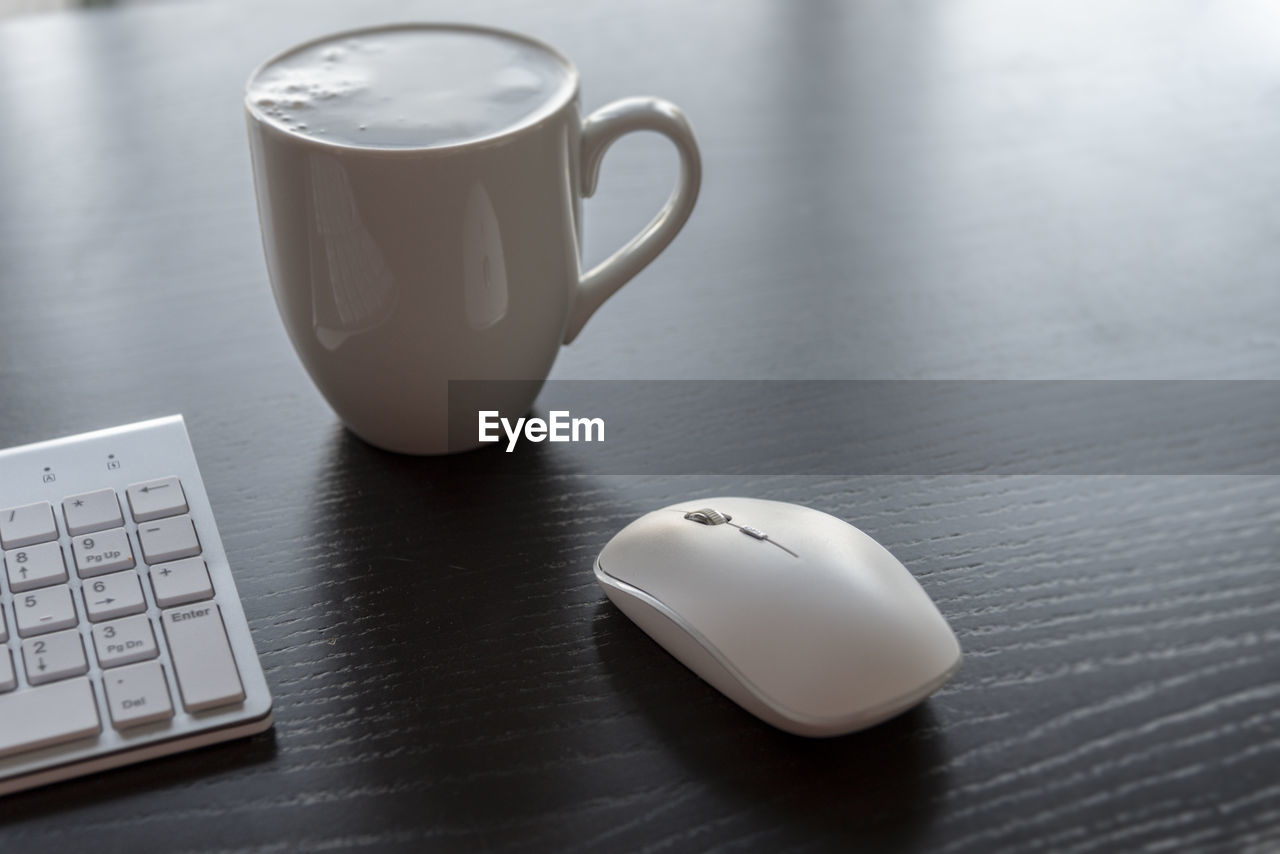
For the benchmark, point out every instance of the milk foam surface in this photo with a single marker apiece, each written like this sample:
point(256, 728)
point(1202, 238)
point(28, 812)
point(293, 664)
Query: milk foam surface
point(411, 87)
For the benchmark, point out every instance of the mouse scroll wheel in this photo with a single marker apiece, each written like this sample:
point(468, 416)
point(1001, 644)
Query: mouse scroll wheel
point(707, 516)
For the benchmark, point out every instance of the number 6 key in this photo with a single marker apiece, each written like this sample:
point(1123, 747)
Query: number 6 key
point(111, 596)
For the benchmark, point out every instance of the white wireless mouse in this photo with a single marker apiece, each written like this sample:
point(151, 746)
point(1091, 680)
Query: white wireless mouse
point(795, 615)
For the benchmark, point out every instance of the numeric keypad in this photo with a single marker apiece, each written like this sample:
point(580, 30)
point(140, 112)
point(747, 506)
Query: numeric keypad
point(121, 635)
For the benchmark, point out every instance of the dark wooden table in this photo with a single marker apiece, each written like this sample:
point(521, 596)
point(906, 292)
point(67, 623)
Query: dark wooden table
point(946, 191)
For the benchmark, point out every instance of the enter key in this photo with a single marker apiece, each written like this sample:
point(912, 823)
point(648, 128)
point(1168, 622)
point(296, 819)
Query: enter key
point(202, 659)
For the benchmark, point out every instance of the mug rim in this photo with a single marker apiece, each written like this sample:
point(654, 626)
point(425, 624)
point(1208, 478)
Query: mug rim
point(567, 94)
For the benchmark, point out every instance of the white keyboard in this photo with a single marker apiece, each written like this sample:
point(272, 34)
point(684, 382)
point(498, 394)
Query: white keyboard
point(121, 634)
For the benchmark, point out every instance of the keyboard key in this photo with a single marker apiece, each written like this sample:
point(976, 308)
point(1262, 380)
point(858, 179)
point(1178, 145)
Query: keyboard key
point(92, 511)
point(52, 714)
point(4, 627)
point(8, 679)
point(137, 695)
point(54, 657)
point(156, 499)
point(181, 582)
point(27, 525)
point(201, 656)
point(111, 596)
point(103, 552)
point(35, 566)
point(124, 641)
point(42, 611)
point(168, 539)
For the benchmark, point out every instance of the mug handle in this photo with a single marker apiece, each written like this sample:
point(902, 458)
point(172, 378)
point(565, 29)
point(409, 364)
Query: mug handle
point(599, 131)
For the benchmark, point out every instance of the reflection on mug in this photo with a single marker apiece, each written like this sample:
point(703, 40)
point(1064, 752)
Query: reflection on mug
point(483, 265)
point(351, 286)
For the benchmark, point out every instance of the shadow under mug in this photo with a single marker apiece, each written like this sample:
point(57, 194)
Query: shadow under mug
point(400, 270)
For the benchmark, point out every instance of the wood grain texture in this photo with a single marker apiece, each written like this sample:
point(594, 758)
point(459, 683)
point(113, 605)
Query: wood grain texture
point(988, 190)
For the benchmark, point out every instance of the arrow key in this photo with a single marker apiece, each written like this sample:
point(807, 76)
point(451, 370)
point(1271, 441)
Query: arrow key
point(35, 566)
point(53, 657)
point(155, 499)
point(109, 596)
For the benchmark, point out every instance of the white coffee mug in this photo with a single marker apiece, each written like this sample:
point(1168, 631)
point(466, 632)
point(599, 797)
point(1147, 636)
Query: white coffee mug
point(399, 268)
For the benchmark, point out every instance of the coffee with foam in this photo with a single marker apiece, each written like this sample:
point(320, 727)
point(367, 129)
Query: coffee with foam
point(410, 87)
point(420, 192)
